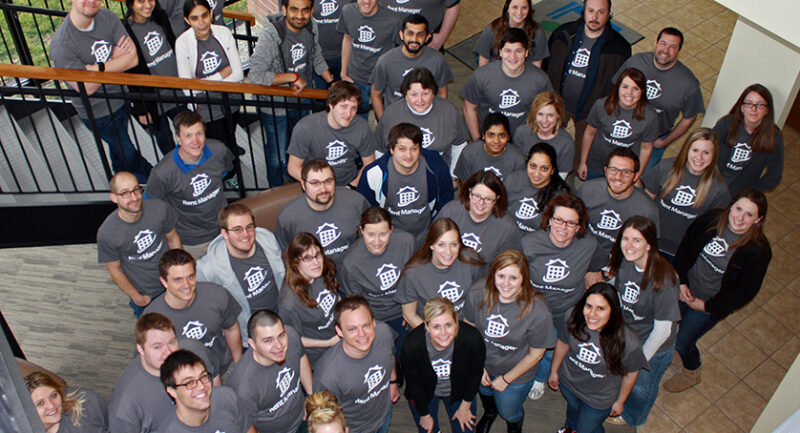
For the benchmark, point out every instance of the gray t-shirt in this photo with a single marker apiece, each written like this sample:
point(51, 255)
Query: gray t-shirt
point(421, 283)
point(94, 413)
point(670, 92)
point(538, 45)
point(361, 385)
point(226, 414)
point(585, 371)
point(72, 48)
point(393, 66)
point(211, 58)
point(296, 52)
point(407, 198)
point(562, 143)
point(558, 272)
point(157, 53)
point(195, 191)
point(271, 397)
point(326, 15)
point(257, 280)
point(372, 36)
point(376, 276)
point(705, 276)
point(489, 237)
point(336, 228)
point(174, 9)
point(475, 158)
point(139, 402)
point(676, 210)
point(442, 126)
point(432, 10)
point(522, 204)
point(138, 245)
point(606, 215)
point(641, 306)
point(314, 138)
point(212, 312)
point(495, 92)
point(441, 361)
point(572, 86)
point(618, 129)
point(311, 322)
point(508, 336)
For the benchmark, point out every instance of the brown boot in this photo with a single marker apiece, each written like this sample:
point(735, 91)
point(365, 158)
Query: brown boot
point(683, 380)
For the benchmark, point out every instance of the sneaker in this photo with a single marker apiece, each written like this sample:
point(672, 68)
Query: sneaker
point(566, 429)
point(537, 391)
point(616, 420)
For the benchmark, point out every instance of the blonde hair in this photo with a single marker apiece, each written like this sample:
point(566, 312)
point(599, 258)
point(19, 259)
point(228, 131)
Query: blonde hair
point(437, 306)
point(72, 401)
point(323, 408)
point(709, 175)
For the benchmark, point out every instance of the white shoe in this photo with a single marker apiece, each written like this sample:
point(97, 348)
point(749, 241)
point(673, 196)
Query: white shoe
point(537, 391)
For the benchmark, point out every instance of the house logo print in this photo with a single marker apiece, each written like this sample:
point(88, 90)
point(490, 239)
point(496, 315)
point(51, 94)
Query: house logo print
point(194, 329)
point(609, 220)
point(407, 71)
point(741, 152)
point(336, 149)
point(717, 247)
point(407, 195)
point(450, 290)
point(101, 50)
point(366, 34)
point(653, 89)
point(589, 353)
point(325, 301)
point(388, 275)
point(472, 240)
point(581, 59)
point(442, 368)
point(327, 233)
point(621, 129)
point(210, 61)
point(527, 209)
point(284, 380)
point(143, 240)
point(427, 137)
point(631, 293)
point(153, 41)
point(199, 183)
point(494, 170)
point(298, 50)
point(557, 270)
point(684, 196)
point(508, 98)
point(328, 7)
point(254, 277)
point(373, 377)
point(496, 326)
point(213, 4)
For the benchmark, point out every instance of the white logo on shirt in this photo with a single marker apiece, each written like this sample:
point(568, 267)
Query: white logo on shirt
point(653, 89)
point(153, 41)
point(298, 51)
point(527, 209)
point(336, 149)
point(101, 50)
point(508, 98)
point(450, 290)
point(407, 71)
point(717, 247)
point(442, 368)
point(199, 183)
point(366, 34)
point(581, 59)
point(427, 137)
point(284, 380)
point(325, 301)
point(472, 240)
point(407, 195)
point(213, 4)
point(143, 240)
point(684, 196)
point(254, 277)
point(210, 61)
point(589, 353)
point(327, 233)
point(622, 129)
point(631, 292)
point(494, 170)
point(496, 326)
point(194, 329)
point(609, 220)
point(373, 377)
point(328, 7)
point(388, 275)
point(741, 152)
point(557, 270)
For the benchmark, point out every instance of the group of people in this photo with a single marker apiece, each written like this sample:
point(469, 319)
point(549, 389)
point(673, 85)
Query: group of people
point(442, 254)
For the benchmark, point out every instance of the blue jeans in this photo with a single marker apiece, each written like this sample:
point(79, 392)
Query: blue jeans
point(644, 393)
point(335, 67)
point(591, 174)
point(694, 324)
point(113, 129)
point(385, 427)
point(137, 310)
point(401, 330)
point(450, 406)
point(655, 158)
point(160, 130)
point(544, 364)
point(278, 131)
point(580, 416)
point(366, 105)
point(509, 402)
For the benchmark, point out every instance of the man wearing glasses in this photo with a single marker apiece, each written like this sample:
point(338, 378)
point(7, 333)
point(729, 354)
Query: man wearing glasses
point(246, 261)
point(329, 212)
point(197, 409)
point(132, 239)
point(610, 201)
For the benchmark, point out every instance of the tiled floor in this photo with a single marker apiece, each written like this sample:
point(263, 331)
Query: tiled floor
point(70, 318)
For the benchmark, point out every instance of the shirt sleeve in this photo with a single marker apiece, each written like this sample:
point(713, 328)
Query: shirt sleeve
point(594, 117)
point(483, 45)
point(232, 310)
point(471, 91)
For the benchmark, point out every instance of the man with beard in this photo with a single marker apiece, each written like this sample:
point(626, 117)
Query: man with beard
point(268, 378)
point(329, 212)
point(584, 55)
point(246, 261)
point(132, 239)
point(611, 200)
point(393, 65)
point(672, 89)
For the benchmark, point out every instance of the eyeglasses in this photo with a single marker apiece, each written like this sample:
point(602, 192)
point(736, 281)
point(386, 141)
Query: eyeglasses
point(562, 222)
point(238, 229)
point(190, 384)
point(482, 199)
point(327, 182)
point(757, 105)
point(137, 190)
point(613, 171)
point(311, 257)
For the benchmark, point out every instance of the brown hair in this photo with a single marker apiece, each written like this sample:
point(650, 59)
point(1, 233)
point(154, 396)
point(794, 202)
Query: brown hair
point(500, 25)
point(149, 322)
point(756, 232)
point(323, 408)
point(571, 202)
point(612, 101)
point(315, 165)
point(491, 181)
point(764, 134)
point(72, 401)
point(526, 297)
point(185, 119)
point(341, 91)
point(657, 269)
point(375, 215)
point(437, 229)
point(350, 303)
point(174, 257)
point(709, 175)
point(405, 130)
point(231, 210)
point(422, 76)
point(299, 244)
point(612, 336)
point(542, 100)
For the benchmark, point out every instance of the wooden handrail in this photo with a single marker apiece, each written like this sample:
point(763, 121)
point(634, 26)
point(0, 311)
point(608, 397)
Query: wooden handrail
point(121, 78)
point(229, 13)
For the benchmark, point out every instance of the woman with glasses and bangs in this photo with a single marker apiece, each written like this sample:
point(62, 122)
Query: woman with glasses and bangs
point(750, 142)
point(558, 257)
point(481, 214)
point(309, 292)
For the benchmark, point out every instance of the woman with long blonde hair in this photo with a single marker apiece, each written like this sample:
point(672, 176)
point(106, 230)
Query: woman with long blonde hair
point(66, 410)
